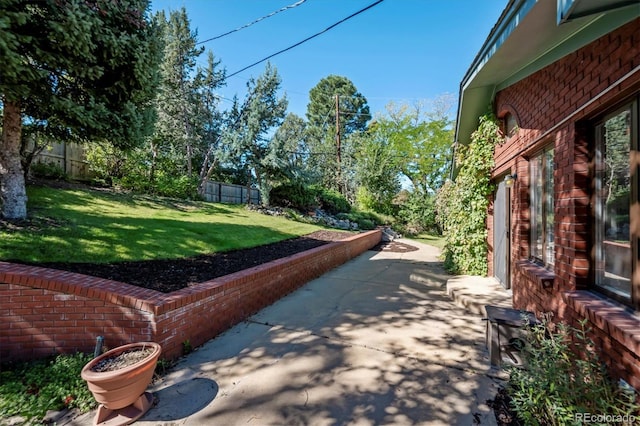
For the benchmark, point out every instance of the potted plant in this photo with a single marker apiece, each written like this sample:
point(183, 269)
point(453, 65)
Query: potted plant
point(118, 380)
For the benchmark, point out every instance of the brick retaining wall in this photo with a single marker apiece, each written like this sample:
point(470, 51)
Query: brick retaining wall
point(46, 311)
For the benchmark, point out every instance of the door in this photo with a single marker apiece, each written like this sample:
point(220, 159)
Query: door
point(501, 226)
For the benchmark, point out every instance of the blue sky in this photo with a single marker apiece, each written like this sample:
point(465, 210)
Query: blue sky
point(401, 51)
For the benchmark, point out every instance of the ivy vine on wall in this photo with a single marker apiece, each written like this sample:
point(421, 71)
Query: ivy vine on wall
point(462, 204)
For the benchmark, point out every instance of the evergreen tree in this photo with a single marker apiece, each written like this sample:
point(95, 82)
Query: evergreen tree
point(175, 141)
point(211, 119)
point(85, 69)
point(290, 140)
point(335, 105)
point(260, 112)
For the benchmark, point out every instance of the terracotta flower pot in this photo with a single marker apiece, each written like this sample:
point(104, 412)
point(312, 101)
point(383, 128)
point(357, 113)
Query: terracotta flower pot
point(121, 393)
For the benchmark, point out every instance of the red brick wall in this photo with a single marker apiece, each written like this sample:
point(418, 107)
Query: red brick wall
point(553, 108)
point(44, 311)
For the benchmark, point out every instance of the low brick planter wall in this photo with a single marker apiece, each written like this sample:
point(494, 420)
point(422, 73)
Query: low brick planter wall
point(45, 311)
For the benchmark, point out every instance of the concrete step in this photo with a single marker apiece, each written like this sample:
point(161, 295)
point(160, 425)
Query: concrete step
point(474, 292)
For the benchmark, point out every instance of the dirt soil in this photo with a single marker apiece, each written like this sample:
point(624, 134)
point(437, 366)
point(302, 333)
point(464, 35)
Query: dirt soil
point(503, 411)
point(167, 275)
point(122, 360)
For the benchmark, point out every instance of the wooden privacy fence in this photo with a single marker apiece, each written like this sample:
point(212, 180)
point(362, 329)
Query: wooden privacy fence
point(219, 192)
point(68, 156)
point(71, 159)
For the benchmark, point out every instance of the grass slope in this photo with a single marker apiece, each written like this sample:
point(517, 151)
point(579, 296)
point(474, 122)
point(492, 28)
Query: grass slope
point(81, 225)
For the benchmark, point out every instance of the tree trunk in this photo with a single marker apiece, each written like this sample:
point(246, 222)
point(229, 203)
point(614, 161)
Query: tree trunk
point(249, 186)
point(154, 156)
point(205, 173)
point(13, 195)
point(27, 156)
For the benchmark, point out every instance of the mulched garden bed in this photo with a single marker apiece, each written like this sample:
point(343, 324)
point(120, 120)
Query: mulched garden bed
point(167, 275)
point(394, 247)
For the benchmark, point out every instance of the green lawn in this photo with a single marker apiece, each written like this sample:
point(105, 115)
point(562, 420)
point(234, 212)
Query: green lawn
point(432, 240)
point(100, 226)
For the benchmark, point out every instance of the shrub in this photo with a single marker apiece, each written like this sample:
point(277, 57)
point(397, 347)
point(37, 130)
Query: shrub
point(365, 220)
point(418, 214)
point(331, 201)
point(365, 199)
point(107, 162)
point(563, 377)
point(366, 224)
point(47, 170)
point(163, 185)
point(176, 187)
point(305, 198)
point(293, 195)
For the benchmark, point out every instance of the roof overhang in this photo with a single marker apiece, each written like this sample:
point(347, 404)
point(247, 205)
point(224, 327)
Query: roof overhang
point(527, 38)
point(573, 9)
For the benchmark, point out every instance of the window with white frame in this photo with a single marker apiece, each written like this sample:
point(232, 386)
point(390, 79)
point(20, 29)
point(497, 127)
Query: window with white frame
point(616, 192)
point(541, 199)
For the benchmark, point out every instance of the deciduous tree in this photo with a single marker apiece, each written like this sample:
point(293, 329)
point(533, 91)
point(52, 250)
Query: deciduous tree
point(422, 140)
point(377, 169)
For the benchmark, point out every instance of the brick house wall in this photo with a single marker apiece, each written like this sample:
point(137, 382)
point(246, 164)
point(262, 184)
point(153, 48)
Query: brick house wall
point(553, 108)
point(45, 311)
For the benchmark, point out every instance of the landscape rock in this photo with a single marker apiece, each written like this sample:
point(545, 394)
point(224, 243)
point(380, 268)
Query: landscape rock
point(317, 216)
point(389, 234)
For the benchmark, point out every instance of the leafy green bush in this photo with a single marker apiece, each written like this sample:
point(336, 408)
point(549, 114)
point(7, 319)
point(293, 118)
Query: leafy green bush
point(293, 195)
point(176, 187)
point(366, 224)
point(48, 170)
point(365, 220)
point(331, 201)
point(365, 200)
point(30, 389)
point(418, 214)
point(107, 162)
point(163, 185)
point(368, 201)
point(305, 198)
point(130, 170)
point(563, 377)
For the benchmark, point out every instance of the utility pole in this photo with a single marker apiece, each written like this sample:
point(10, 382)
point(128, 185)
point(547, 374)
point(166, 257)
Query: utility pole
point(338, 147)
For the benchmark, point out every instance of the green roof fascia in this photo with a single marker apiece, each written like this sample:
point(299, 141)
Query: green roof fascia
point(493, 70)
point(595, 29)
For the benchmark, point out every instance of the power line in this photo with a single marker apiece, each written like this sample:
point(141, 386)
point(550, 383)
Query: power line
point(305, 40)
point(291, 6)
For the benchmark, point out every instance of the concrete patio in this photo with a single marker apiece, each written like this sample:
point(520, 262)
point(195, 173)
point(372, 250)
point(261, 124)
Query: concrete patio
point(375, 341)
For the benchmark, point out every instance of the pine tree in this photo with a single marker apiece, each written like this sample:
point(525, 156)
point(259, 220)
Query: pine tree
point(85, 68)
point(175, 140)
point(261, 111)
point(334, 100)
point(290, 142)
point(211, 119)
